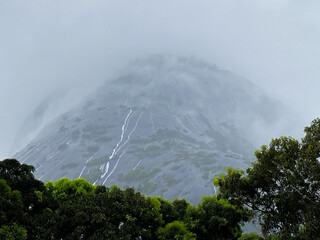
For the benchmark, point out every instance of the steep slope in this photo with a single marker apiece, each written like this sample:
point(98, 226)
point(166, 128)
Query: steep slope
point(166, 126)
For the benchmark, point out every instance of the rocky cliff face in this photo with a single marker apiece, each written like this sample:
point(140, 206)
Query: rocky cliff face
point(166, 126)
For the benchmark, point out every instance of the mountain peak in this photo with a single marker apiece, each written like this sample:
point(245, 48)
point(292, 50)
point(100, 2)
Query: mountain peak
point(166, 126)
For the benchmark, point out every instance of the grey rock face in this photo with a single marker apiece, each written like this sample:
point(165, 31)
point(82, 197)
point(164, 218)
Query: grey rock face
point(166, 126)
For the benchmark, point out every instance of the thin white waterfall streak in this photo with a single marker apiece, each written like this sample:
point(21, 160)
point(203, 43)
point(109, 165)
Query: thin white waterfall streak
point(146, 146)
point(42, 176)
point(153, 128)
point(115, 166)
point(31, 150)
point(50, 156)
point(106, 170)
point(182, 191)
point(128, 123)
point(89, 158)
point(137, 165)
point(122, 133)
point(82, 171)
point(102, 166)
point(95, 182)
point(107, 167)
point(130, 133)
point(37, 169)
point(194, 124)
point(179, 121)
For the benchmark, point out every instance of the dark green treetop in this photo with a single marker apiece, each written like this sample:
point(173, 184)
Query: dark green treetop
point(282, 187)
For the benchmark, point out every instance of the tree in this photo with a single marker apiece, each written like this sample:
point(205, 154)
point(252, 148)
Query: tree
point(167, 210)
point(24, 202)
point(65, 188)
point(13, 232)
point(219, 219)
point(282, 187)
point(138, 216)
point(105, 213)
point(20, 177)
point(250, 236)
point(11, 208)
point(175, 230)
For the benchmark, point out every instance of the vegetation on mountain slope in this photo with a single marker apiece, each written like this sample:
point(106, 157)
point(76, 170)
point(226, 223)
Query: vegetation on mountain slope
point(281, 191)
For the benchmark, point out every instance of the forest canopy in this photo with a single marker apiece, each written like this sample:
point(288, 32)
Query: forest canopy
point(76, 209)
point(282, 188)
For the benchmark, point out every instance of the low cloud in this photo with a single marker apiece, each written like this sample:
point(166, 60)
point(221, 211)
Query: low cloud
point(70, 47)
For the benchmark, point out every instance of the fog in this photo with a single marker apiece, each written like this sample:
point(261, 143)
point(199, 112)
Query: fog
point(61, 50)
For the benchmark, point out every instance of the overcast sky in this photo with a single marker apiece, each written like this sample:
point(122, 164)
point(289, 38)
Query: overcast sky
point(63, 46)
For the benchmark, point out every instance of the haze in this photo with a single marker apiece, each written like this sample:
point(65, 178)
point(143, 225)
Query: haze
point(68, 48)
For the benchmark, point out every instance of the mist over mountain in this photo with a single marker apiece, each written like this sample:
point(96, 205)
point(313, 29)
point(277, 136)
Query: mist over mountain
point(166, 126)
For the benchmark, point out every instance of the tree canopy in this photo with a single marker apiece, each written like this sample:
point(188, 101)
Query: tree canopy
point(282, 188)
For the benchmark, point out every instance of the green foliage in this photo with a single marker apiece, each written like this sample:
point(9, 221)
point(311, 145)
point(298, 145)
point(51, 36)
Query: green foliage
point(93, 131)
point(92, 149)
point(163, 134)
point(151, 151)
point(97, 161)
point(282, 187)
point(13, 232)
point(139, 173)
point(147, 187)
point(75, 134)
point(167, 210)
point(219, 219)
point(93, 175)
point(249, 236)
point(175, 230)
point(199, 158)
point(180, 207)
point(64, 187)
point(23, 201)
point(69, 165)
point(171, 181)
point(75, 209)
point(20, 177)
point(11, 205)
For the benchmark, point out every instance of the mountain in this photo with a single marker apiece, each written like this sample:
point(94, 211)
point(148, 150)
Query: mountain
point(166, 126)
